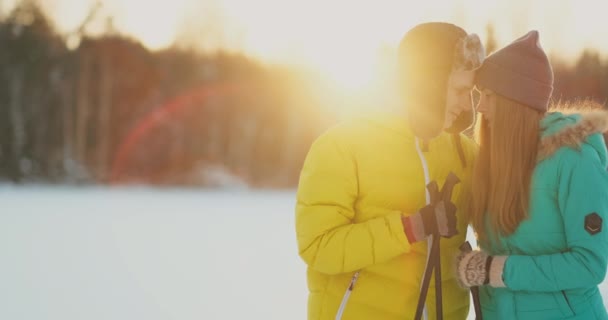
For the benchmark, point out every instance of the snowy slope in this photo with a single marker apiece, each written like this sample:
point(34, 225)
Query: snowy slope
point(91, 253)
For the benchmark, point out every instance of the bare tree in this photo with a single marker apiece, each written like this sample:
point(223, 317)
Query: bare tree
point(17, 121)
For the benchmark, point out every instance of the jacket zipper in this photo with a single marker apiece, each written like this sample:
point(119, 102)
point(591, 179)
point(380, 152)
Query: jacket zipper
point(353, 280)
point(349, 290)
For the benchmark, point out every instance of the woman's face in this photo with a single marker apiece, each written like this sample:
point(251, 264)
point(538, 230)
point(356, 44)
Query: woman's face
point(487, 103)
point(458, 98)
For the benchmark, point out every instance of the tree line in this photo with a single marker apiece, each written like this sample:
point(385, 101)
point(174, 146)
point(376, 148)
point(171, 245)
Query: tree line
point(107, 110)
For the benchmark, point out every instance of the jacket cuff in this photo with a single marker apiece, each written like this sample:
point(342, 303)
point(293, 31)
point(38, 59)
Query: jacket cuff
point(496, 271)
point(413, 227)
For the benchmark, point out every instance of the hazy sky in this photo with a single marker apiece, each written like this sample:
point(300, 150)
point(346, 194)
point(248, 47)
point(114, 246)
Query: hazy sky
point(337, 35)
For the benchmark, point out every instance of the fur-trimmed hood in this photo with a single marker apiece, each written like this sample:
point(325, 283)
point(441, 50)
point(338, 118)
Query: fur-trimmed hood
point(571, 128)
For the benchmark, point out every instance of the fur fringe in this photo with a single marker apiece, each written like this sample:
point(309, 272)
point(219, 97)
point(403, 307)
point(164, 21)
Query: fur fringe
point(594, 120)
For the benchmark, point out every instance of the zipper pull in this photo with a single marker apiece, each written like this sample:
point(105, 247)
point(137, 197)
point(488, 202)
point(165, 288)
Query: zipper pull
point(353, 281)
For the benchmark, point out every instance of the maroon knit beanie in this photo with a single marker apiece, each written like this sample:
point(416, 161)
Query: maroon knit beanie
point(520, 71)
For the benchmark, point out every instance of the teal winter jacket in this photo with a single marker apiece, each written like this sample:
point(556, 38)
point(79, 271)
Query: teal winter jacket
point(557, 256)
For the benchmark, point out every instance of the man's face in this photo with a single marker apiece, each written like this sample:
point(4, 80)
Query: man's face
point(459, 101)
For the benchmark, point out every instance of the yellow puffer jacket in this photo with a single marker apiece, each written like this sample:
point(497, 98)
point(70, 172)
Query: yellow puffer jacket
point(357, 180)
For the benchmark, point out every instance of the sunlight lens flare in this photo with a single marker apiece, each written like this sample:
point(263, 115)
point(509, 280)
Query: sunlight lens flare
point(351, 75)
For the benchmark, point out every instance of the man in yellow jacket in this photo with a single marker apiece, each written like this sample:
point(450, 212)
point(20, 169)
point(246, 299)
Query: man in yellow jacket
point(363, 210)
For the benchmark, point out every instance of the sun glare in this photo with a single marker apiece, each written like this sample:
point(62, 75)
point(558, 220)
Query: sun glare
point(339, 38)
point(154, 23)
point(351, 76)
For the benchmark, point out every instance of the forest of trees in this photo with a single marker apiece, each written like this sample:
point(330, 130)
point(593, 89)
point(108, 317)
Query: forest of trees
point(110, 111)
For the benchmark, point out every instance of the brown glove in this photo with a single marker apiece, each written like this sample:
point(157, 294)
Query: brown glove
point(437, 219)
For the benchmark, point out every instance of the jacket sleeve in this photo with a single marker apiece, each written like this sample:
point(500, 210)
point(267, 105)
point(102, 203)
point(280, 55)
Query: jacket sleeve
point(582, 195)
point(329, 239)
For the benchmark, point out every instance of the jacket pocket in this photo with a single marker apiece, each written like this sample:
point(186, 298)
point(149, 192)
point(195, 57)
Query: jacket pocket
point(561, 298)
point(346, 296)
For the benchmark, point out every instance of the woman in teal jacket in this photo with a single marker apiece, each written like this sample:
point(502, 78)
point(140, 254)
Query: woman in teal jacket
point(540, 196)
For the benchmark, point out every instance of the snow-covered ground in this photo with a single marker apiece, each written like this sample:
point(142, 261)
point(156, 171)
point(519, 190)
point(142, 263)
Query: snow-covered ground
point(137, 253)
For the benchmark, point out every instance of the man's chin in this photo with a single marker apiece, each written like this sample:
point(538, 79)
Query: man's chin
point(462, 122)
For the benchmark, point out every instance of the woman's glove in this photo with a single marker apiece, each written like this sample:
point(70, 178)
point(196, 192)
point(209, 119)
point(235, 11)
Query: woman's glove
point(476, 268)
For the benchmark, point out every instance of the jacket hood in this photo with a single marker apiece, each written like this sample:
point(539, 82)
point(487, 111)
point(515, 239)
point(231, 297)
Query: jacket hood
point(572, 129)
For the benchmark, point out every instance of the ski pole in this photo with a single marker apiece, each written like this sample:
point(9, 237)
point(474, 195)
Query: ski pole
point(466, 247)
point(434, 260)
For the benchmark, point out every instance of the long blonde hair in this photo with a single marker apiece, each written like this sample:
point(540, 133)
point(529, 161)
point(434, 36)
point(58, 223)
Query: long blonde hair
point(504, 167)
